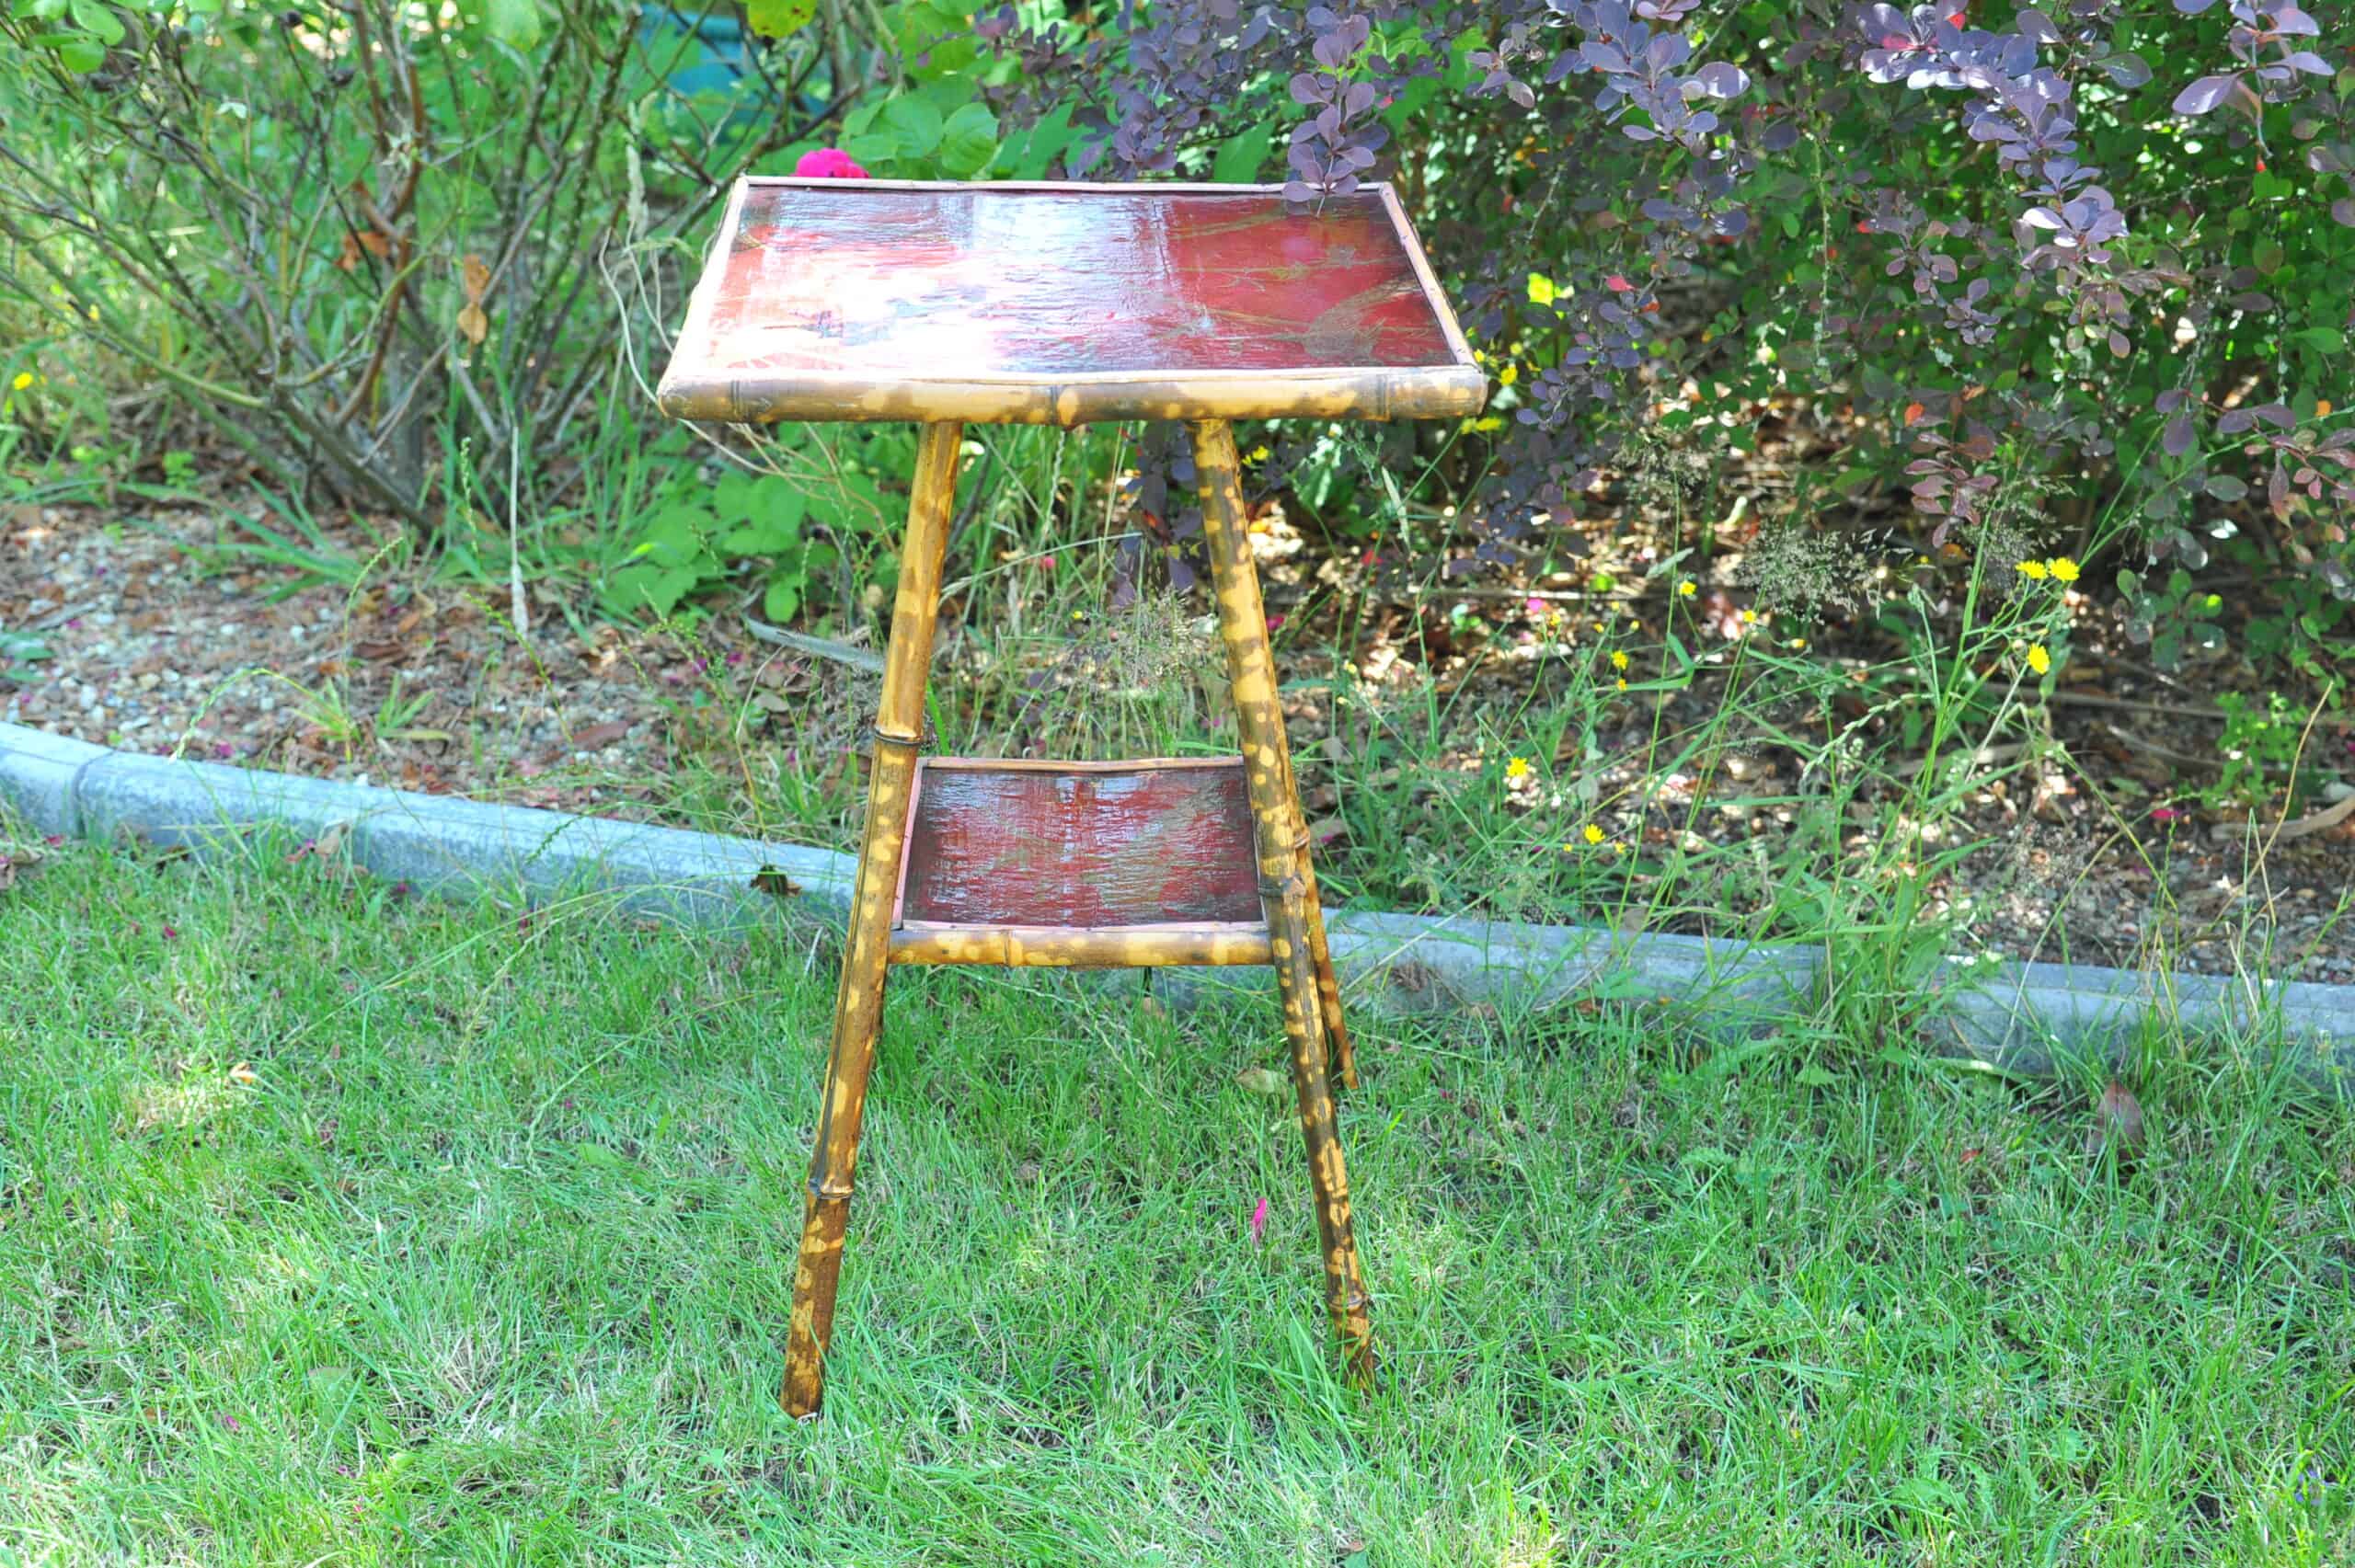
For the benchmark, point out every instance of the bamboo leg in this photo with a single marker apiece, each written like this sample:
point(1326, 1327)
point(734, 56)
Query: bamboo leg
point(1343, 1054)
point(1285, 877)
point(859, 1005)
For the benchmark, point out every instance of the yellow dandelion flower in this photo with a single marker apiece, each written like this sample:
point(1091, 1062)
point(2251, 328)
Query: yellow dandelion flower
point(1622, 684)
point(2034, 571)
point(1686, 589)
point(1594, 834)
point(1258, 454)
point(1618, 659)
point(1507, 375)
point(24, 379)
point(2039, 659)
point(1517, 768)
point(2063, 568)
point(1619, 848)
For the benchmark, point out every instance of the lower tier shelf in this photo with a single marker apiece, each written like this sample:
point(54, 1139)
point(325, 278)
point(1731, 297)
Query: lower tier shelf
point(1082, 947)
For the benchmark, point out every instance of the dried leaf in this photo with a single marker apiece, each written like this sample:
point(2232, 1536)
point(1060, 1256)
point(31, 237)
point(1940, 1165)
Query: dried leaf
point(1260, 1081)
point(774, 883)
point(599, 736)
point(2117, 1123)
point(475, 278)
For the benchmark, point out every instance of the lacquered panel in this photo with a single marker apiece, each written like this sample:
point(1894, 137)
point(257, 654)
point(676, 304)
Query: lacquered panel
point(1092, 847)
point(820, 290)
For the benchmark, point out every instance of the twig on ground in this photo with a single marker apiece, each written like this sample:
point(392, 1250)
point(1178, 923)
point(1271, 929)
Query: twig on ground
point(821, 648)
point(2131, 704)
point(1984, 757)
point(2312, 823)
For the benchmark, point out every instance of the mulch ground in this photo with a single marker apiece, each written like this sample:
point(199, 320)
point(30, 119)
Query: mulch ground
point(159, 642)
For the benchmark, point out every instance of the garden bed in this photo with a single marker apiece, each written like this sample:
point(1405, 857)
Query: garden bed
point(166, 633)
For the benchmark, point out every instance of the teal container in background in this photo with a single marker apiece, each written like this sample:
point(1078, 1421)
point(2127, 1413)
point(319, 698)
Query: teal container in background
point(700, 53)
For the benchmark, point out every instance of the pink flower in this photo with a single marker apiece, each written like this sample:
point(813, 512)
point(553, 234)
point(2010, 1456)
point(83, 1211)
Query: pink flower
point(1617, 284)
point(2163, 813)
point(1259, 1222)
point(827, 162)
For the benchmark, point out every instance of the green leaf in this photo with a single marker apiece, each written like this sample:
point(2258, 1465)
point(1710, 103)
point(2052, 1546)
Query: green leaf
point(872, 151)
point(675, 537)
point(99, 21)
point(2321, 339)
point(783, 600)
point(776, 18)
point(760, 499)
point(1239, 157)
point(967, 142)
point(79, 52)
point(513, 22)
point(660, 591)
point(915, 125)
point(1028, 154)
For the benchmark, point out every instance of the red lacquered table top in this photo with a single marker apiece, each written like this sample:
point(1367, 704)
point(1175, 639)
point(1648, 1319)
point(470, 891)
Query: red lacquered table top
point(878, 299)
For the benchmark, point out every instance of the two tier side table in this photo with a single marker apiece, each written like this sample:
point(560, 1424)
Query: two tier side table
point(1063, 304)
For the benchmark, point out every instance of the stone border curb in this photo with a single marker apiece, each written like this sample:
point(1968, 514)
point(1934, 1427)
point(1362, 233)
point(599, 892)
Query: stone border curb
point(2034, 1019)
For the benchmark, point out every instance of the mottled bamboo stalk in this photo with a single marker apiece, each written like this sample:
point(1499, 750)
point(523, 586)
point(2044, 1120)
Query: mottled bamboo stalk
point(859, 1005)
point(1078, 947)
point(1328, 985)
point(1283, 847)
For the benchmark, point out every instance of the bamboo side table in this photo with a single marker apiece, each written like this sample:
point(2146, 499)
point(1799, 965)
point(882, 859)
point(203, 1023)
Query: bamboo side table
point(1062, 303)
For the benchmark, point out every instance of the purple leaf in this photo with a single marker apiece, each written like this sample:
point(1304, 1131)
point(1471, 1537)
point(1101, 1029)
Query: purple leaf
point(2206, 93)
point(2127, 72)
point(1719, 80)
point(2176, 438)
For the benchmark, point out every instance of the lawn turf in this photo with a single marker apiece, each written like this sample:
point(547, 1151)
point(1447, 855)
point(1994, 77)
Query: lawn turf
point(337, 1228)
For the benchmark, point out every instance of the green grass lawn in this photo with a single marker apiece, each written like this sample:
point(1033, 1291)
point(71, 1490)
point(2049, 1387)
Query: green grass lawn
point(335, 1229)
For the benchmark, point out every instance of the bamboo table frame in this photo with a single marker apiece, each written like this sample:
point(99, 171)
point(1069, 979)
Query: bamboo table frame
point(825, 300)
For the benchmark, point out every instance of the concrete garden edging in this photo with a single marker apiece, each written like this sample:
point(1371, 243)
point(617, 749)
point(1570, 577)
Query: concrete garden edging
point(2025, 1018)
